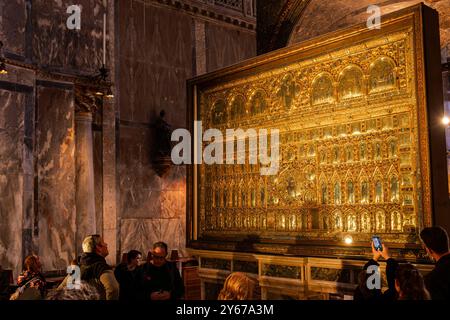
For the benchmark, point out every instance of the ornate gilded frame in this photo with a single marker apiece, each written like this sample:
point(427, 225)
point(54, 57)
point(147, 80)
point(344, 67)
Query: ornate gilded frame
point(364, 89)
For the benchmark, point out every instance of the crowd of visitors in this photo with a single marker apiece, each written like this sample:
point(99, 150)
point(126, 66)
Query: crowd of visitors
point(159, 279)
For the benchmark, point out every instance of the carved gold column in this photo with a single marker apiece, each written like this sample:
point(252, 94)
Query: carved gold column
point(85, 106)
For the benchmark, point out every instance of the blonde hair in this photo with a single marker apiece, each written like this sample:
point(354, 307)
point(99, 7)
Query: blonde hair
point(237, 286)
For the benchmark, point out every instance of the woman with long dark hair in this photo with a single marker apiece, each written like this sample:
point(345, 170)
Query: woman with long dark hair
point(409, 283)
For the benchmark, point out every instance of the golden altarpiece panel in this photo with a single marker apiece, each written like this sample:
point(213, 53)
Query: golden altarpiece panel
point(351, 109)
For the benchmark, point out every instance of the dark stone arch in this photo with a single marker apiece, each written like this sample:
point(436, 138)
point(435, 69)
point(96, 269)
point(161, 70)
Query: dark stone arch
point(276, 21)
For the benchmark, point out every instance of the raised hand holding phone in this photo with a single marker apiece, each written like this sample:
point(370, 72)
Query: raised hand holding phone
point(376, 254)
point(377, 243)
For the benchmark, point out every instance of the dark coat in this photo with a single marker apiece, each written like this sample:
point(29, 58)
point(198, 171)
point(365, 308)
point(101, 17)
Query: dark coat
point(438, 280)
point(130, 282)
point(166, 278)
point(362, 293)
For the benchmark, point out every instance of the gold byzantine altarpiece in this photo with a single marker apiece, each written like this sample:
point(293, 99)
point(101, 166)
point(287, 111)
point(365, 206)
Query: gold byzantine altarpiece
point(349, 123)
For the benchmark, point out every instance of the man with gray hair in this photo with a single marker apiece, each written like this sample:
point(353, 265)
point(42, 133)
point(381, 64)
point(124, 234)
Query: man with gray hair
point(94, 269)
point(162, 280)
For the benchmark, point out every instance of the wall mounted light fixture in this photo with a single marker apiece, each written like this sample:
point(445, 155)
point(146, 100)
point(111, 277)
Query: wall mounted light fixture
point(109, 94)
point(104, 86)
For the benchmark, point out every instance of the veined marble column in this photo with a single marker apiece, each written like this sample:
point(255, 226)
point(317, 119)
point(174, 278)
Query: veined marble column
point(85, 193)
point(109, 182)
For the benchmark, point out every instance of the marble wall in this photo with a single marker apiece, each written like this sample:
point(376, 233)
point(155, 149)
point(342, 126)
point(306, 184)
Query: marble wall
point(55, 138)
point(37, 167)
point(37, 30)
point(98, 177)
point(153, 48)
point(58, 48)
point(159, 49)
point(222, 49)
point(13, 22)
point(152, 78)
point(16, 167)
point(12, 110)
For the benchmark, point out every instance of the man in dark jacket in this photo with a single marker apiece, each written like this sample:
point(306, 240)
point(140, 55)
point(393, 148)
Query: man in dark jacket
point(436, 244)
point(162, 279)
point(129, 276)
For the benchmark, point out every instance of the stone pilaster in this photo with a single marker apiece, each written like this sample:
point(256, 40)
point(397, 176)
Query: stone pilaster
point(109, 181)
point(200, 47)
point(84, 159)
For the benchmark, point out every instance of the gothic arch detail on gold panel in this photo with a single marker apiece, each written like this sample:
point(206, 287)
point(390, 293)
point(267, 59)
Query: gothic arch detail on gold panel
point(322, 89)
point(287, 92)
point(337, 220)
point(380, 221)
point(219, 112)
point(382, 75)
point(258, 102)
point(236, 107)
point(396, 221)
point(351, 224)
point(366, 222)
point(378, 186)
point(351, 83)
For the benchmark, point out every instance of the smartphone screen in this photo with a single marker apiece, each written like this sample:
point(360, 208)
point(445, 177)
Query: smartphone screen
point(377, 243)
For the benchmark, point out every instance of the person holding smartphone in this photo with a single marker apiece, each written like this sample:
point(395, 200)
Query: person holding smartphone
point(363, 292)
